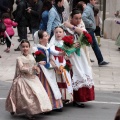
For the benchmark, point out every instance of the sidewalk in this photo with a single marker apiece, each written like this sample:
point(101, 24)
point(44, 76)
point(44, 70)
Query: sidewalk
point(106, 78)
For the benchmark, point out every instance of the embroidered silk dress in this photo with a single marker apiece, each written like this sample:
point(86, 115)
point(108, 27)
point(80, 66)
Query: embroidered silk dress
point(27, 95)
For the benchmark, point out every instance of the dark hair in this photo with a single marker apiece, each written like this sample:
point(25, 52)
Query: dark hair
point(40, 34)
point(117, 117)
point(88, 1)
point(96, 11)
point(47, 5)
point(79, 6)
point(59, 27)
point(75, 11)
point(5, 15)
point(56, 1)
point(25, 41)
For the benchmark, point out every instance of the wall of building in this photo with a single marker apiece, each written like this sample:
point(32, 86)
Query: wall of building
point(111, 29)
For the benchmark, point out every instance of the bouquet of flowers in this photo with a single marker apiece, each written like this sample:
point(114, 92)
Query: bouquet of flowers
point(85, 39)
point(68, 66)
point(68, 45)
point(39, 56)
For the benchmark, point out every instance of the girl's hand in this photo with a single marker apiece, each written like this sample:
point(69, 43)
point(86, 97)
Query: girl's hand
point(77, 45)
point(66, 57)
point(56, 68)
point(35, 68)
point(62, 53)
point(42, 62)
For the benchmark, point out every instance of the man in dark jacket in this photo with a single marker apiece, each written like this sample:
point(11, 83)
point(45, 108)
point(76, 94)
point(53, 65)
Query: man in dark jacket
point(21, 18)
point(35, 14)
point(4, 7)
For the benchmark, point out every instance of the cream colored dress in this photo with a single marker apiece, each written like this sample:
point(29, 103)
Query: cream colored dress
point(27, 95)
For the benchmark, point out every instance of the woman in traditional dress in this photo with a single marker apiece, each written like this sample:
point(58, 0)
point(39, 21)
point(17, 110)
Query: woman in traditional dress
point(83, 84)
point(63, 79)
point(47, 68)
point(27, 95)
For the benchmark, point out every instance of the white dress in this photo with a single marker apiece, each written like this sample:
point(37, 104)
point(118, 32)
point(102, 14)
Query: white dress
point(83, 84)
point(66, 90)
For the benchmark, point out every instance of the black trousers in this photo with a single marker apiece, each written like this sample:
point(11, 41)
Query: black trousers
point(22, 32)
point(8, 42)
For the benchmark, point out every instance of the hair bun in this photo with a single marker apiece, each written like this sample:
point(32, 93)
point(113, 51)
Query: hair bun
point(75, 9)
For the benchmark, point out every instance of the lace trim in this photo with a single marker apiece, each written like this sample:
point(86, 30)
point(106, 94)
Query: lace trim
point(88, 82)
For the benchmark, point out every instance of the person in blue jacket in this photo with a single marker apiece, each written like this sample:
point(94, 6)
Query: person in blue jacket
point(55, 17)
point(47, 5)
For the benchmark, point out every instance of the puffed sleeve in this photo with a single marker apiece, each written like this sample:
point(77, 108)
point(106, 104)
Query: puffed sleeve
point(53, 51)
point(22, 68)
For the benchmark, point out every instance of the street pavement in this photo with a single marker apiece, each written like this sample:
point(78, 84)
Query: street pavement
point(107, 85)
point(103, 108)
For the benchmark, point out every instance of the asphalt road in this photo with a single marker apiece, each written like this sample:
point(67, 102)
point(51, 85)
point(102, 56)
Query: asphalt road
point(103, 108)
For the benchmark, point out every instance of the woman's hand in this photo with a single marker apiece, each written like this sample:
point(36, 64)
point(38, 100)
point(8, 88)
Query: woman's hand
point(77, 45)
point(67, 24)
point(42, 62)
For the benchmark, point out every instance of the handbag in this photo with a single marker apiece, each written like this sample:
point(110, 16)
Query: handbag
point(2, 27)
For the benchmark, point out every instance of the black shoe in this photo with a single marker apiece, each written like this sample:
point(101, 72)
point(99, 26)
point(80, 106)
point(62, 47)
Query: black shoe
point(47, 113)
point(30, 117)
point(58, 110)
point(78, 105)
point(0, 56)
point(19, 40)
point(92, 60)
point(17, 49)
point(12, 113)
point(103, 63)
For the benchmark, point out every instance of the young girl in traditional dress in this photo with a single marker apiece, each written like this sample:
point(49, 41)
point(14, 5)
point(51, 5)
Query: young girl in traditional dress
point(63, 79)
point(83, 84)
point(27, 95)
point(47, 68)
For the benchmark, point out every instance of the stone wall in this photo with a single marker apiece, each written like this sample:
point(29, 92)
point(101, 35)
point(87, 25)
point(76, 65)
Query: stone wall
point(111, 29)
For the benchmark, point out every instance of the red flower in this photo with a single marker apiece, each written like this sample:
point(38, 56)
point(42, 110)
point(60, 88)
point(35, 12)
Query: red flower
point(68, 40)
point(39, 56)
point(39, 53)
point(88, 36)
point(68, 66)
